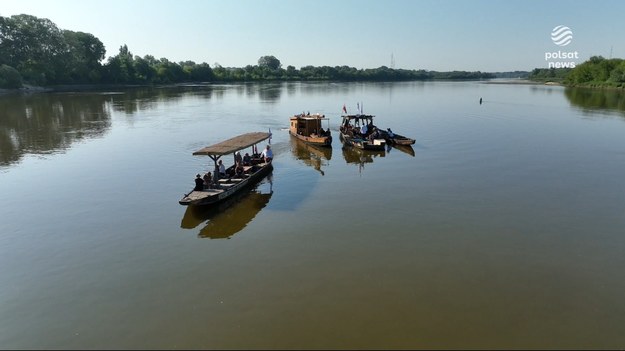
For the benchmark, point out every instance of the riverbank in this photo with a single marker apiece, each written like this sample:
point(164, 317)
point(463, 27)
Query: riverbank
point(518, 82)
point(25, 89)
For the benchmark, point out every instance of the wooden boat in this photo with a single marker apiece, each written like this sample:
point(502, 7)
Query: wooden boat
point(308, 128)
point(396, 139)
point(351, 133)
point(224, 188)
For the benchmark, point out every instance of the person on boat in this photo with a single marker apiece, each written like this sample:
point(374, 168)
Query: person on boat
point(222, 169)
point(363, 129)
point(238, 171)
point(199, 183)
point(238, 160)
point(322, 132)
point(247, 159)
point(267, 154)
point(391, 135)
point(208, 180)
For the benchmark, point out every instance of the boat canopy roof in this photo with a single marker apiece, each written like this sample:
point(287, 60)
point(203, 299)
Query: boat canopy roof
point(358, 117)
point(310, 117)
point(233, 144)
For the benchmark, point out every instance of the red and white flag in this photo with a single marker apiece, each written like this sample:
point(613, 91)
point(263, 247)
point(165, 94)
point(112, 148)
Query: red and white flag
point(344, 109)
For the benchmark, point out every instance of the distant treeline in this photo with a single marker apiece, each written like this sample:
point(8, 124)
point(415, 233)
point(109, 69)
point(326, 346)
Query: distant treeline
point(596, 72)
point(35, 51)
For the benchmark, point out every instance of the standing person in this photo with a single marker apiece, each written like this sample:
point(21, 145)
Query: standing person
point(222, 169)
point(199, 183)
point(238, 160)
point(267, 154)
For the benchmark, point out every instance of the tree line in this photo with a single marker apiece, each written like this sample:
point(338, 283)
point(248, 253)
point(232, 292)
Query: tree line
point(596, 72)
point(35, 51)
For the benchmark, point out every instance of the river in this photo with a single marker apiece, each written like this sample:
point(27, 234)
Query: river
point(502, 226)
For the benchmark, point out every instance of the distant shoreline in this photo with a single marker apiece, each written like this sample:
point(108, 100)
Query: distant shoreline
point(97, 87)
point(521, 82)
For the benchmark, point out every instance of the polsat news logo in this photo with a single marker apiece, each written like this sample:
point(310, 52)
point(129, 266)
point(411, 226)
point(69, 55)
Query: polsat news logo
point(561, 36)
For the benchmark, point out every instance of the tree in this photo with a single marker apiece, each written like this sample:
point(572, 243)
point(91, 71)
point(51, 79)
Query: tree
point(270, 62)
point(120, 68)
point(83, 57)
point(33, 46)
point(10, 78)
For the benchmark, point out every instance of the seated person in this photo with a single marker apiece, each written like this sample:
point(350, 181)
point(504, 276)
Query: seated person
point(199, 183)
point(238, 172)
point(247, 160)
point(208, 180)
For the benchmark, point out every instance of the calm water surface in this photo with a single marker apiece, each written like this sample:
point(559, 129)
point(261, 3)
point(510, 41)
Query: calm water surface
point(502, 227)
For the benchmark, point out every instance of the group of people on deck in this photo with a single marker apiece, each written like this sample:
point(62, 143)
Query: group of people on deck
point(240, 162)
point(366, 131)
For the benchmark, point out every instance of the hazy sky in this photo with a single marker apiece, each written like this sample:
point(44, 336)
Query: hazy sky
point(485, 35)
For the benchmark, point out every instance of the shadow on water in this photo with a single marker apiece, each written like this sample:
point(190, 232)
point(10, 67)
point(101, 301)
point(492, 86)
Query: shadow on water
point(229, 217)
point(593, 100)
point(311, 155)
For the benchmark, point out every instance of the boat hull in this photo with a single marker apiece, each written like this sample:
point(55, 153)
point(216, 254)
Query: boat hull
point(375, 145)
point(224, 191)
point(401, 140)
point(324, 141)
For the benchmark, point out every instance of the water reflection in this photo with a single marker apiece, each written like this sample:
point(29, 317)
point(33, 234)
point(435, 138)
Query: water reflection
point(354, 155)
point(403, 148)
point(311, 155)
point(47, 123)
point(596, 100)
point(229, 217)
point(269, 92)
point(131, 101)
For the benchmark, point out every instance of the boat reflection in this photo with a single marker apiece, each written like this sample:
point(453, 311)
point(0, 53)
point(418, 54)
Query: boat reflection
point(227, 218)
point(360, 157)
point(404, 148)
point(311, 155)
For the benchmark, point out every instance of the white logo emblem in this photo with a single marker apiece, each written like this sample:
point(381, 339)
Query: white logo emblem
point(562, 35)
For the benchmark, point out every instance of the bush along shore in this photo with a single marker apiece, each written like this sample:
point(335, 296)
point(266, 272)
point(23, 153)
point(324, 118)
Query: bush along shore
point(597, 72)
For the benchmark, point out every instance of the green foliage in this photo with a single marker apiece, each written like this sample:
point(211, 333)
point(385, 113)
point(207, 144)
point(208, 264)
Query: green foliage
point(82, 59)
point(43, 55)
point(10, 78)
point(598, 71)
point(33, 46)
point(549, 74)
point(270, 62)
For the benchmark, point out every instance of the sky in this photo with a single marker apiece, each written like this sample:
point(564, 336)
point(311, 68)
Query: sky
point(439, 35)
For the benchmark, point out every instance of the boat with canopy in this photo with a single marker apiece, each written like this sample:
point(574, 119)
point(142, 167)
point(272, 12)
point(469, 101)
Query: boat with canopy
point(223, 186)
